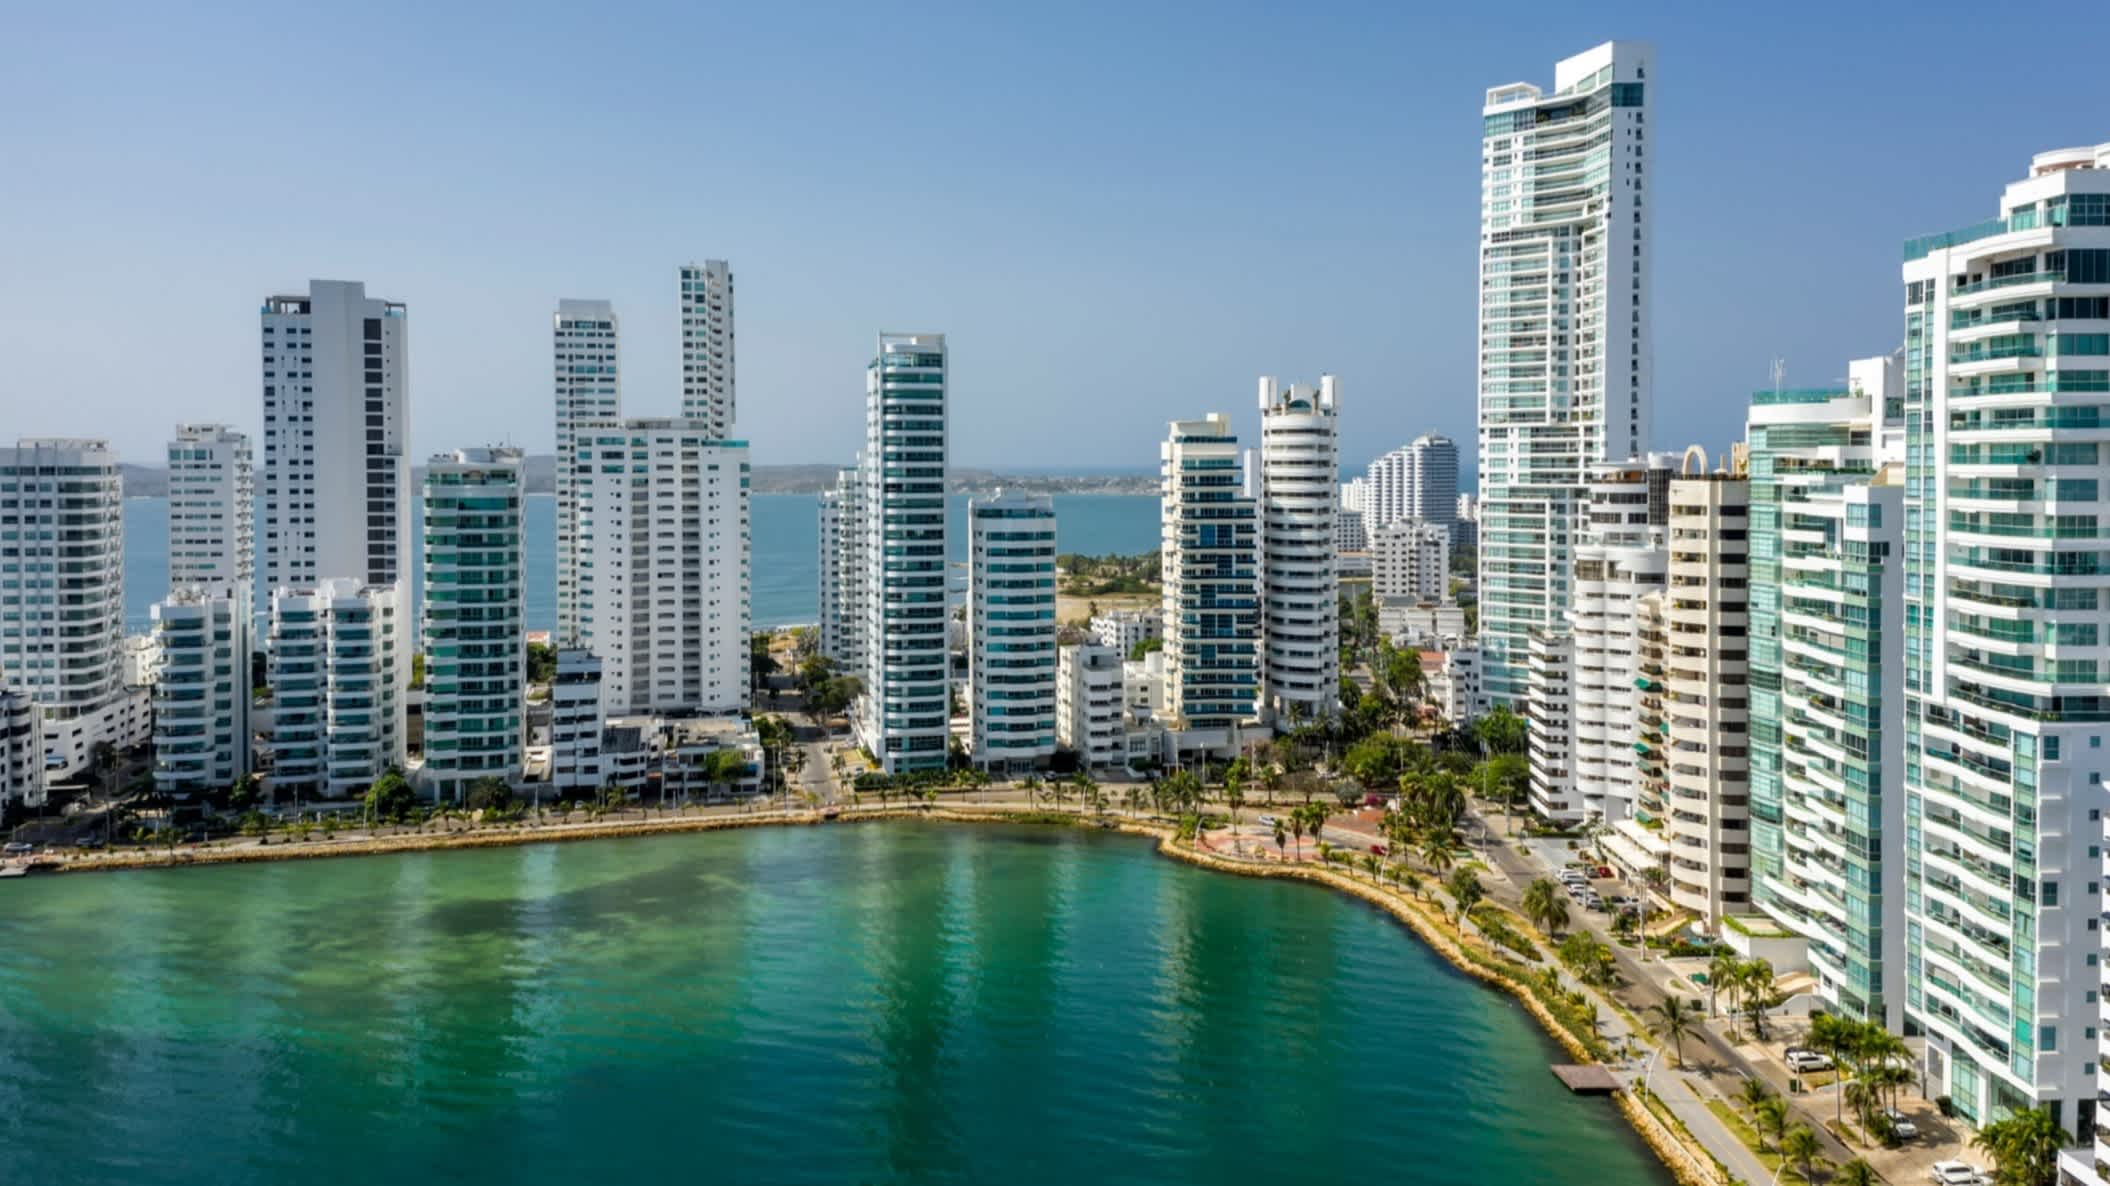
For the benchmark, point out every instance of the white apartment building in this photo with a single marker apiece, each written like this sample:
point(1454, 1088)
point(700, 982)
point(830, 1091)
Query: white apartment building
point(1620, 558)
point(1420, 622)
point(340, 672)
point(1349, 534)
point(1300, 588)
point(663, 574)
point(212, 509)
point(21, 750)
point(475, 620)
point(1123, 630)
point(1706, 694)
point(1410, 560)
point(586, 362)
point(1550, 725)
point(201, 695)
point(1011, 667)
point(707, 346)
point(62, 596)
point(336, 430)
point(1088, 718)
point(1454, 684)
point(1418, 480)
point(901, 715)
point(576, 760)
point(842, 571)
point(1355, 495)
point(1564, 353)
point(1211, 589)
point(2007, 601)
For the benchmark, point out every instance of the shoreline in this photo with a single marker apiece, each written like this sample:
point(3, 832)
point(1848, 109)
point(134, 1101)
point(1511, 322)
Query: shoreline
point(1680, 1156)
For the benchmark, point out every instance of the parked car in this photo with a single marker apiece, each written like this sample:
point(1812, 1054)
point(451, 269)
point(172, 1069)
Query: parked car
point(1378, 849)
point(1804, 1061)
point(1571, 877)
point(1904, 1128)
point(1267, 821)
point(16, 848)
point(1954, 1173)
point(1592, 902)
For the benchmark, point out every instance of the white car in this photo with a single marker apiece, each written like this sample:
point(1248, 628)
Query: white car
point(1804, 1061)
point(1904, 1128)
point(1954, 1173)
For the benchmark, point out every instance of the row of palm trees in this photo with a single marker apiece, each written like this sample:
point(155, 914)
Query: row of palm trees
point(1874, 1068)
point(1797, 1143)
point(1749, 986)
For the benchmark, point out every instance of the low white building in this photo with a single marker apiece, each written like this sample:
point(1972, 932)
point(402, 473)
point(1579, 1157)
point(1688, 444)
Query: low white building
point(1088, 717)
point(201, 697)
point(339, 681)
point(1410, 621)
point(576, 723)
point(1412, 560)
point(1122, 629)
point(1455, 685)
point(21, 750)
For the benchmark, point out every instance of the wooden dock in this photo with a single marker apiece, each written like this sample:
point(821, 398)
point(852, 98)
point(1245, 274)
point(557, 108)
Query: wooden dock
point(1586, 1078)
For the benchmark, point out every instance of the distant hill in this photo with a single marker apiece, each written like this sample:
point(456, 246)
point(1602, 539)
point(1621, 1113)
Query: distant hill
point(540, 473)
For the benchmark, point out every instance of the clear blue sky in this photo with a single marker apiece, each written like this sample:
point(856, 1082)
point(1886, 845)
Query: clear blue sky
point(1120, 214)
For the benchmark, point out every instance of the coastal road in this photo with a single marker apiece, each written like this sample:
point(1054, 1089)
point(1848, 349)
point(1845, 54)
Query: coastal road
point(1721, 1067)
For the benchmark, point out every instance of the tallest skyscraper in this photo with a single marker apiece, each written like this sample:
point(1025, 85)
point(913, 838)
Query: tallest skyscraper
point(1564, 370)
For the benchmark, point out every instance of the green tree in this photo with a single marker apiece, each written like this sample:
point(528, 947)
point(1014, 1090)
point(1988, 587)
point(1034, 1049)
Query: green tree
point(390, 799)
point(1145, 646)
point(1671, 1019)
point(2024, 1148)
point(1770, 1117)
point(490, 794)
point(541, 662)
point(246, 794)
point(1546, 905)
point(1724, 971)
point(1465, 890)
point(1500, 731)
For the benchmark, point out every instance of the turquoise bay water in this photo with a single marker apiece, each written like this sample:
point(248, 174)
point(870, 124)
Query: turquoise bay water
point(785, 531)
point(901, 1002)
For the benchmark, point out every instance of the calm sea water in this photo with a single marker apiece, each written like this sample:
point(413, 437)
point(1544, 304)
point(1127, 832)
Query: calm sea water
point(901, 1002)
point(786, 538)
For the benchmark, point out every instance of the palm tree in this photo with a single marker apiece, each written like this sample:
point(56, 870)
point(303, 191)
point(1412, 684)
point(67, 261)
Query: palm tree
point(1279, 838)
point(1754, 988)
point(1800, 1146)
point(1370, 862)
point(1721, 975)
point(1538, 902)
point(1234, 794)
point(1436, 849)
point(1770, 1115)
point(1755, 1092)
point(2024, 1148)
point(1672, 1020)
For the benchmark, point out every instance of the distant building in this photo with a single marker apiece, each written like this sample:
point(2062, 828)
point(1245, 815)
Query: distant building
point(589, 386)
point(1412, 561)
point(1407, 621)
point(1123, 629)
point(1417, 481)
point(212, 510)
point(707, 372)
point(1348, 533)
point(1455, 686)
point(336, 380)
point(576, 724)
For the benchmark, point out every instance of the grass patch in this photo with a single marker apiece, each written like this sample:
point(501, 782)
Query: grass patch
point(1741, 1128)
